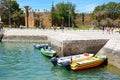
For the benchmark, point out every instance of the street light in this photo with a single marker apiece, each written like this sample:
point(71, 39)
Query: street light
point(62, 21)
point(69, 18)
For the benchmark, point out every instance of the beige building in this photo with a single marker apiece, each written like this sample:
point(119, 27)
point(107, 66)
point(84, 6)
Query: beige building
point(43, 20)
point(38, 19)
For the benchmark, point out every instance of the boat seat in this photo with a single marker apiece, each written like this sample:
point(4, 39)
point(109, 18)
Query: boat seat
point(86, 61)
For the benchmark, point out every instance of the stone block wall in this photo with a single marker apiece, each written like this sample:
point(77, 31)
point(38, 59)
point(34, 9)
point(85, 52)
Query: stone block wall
point(25, 38)
point(72, 47)
point(82, 46)
point(112, 51)
point(31, 20)
point(57, 45)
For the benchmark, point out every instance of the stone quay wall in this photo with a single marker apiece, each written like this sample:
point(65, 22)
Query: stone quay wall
point(25, 38)
point(112, 51)
point(81, 46)
point(72, 47)
point(57, 45)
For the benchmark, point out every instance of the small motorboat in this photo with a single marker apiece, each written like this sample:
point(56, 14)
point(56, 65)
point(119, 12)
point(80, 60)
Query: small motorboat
point(39, 46)
point(48, 52)
point(1, 31)
point(62, 60)
point(88, 62)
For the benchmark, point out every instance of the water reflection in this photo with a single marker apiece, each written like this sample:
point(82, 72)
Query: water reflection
point(98, 73)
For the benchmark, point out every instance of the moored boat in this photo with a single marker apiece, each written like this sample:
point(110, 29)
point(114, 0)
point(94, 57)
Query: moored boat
point(1, 31)
point(48, 52)
point(39, 46)
point(87, 62)
point(63, 60)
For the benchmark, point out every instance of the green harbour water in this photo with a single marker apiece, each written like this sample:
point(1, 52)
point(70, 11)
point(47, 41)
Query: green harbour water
point(20, 61)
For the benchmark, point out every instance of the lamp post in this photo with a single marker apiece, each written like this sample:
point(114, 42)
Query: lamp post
point(62, 21)
point(69, 15)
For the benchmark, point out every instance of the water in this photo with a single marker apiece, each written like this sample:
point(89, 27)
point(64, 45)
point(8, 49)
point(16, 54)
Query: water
point(20, 61)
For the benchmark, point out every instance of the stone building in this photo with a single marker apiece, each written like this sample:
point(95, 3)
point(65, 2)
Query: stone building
point(38, 20)
point(31, 19)
point(43, 20)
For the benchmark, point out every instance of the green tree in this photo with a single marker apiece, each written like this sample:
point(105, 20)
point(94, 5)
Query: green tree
point(64, 14)
point(9, 9)
point(113, 10)
point(53, 16)
point(107, 11)
point(18, 18)
point(110, 10)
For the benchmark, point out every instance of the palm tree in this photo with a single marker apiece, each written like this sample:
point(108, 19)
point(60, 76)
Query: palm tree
point(18, 18)
point(27, 14)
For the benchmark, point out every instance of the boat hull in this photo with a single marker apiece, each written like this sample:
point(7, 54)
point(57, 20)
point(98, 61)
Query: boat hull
point(1, 35)
point(87, 63)
point(74, 57)
point(48, 53)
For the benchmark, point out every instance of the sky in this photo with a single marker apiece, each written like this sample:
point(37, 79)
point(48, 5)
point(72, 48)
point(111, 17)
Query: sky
point(81, 5)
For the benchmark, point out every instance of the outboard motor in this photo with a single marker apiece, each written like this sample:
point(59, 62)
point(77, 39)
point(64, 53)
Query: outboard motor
point(46, 46)
point(105, 62)
point(54, 61)
point(66, 64)
point(1, 36)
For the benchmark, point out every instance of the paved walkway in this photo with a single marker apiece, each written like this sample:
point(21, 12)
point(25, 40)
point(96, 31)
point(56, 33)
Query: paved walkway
point(66, 35)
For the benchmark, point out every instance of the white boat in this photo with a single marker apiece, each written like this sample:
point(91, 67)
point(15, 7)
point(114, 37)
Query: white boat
point(60, 61)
